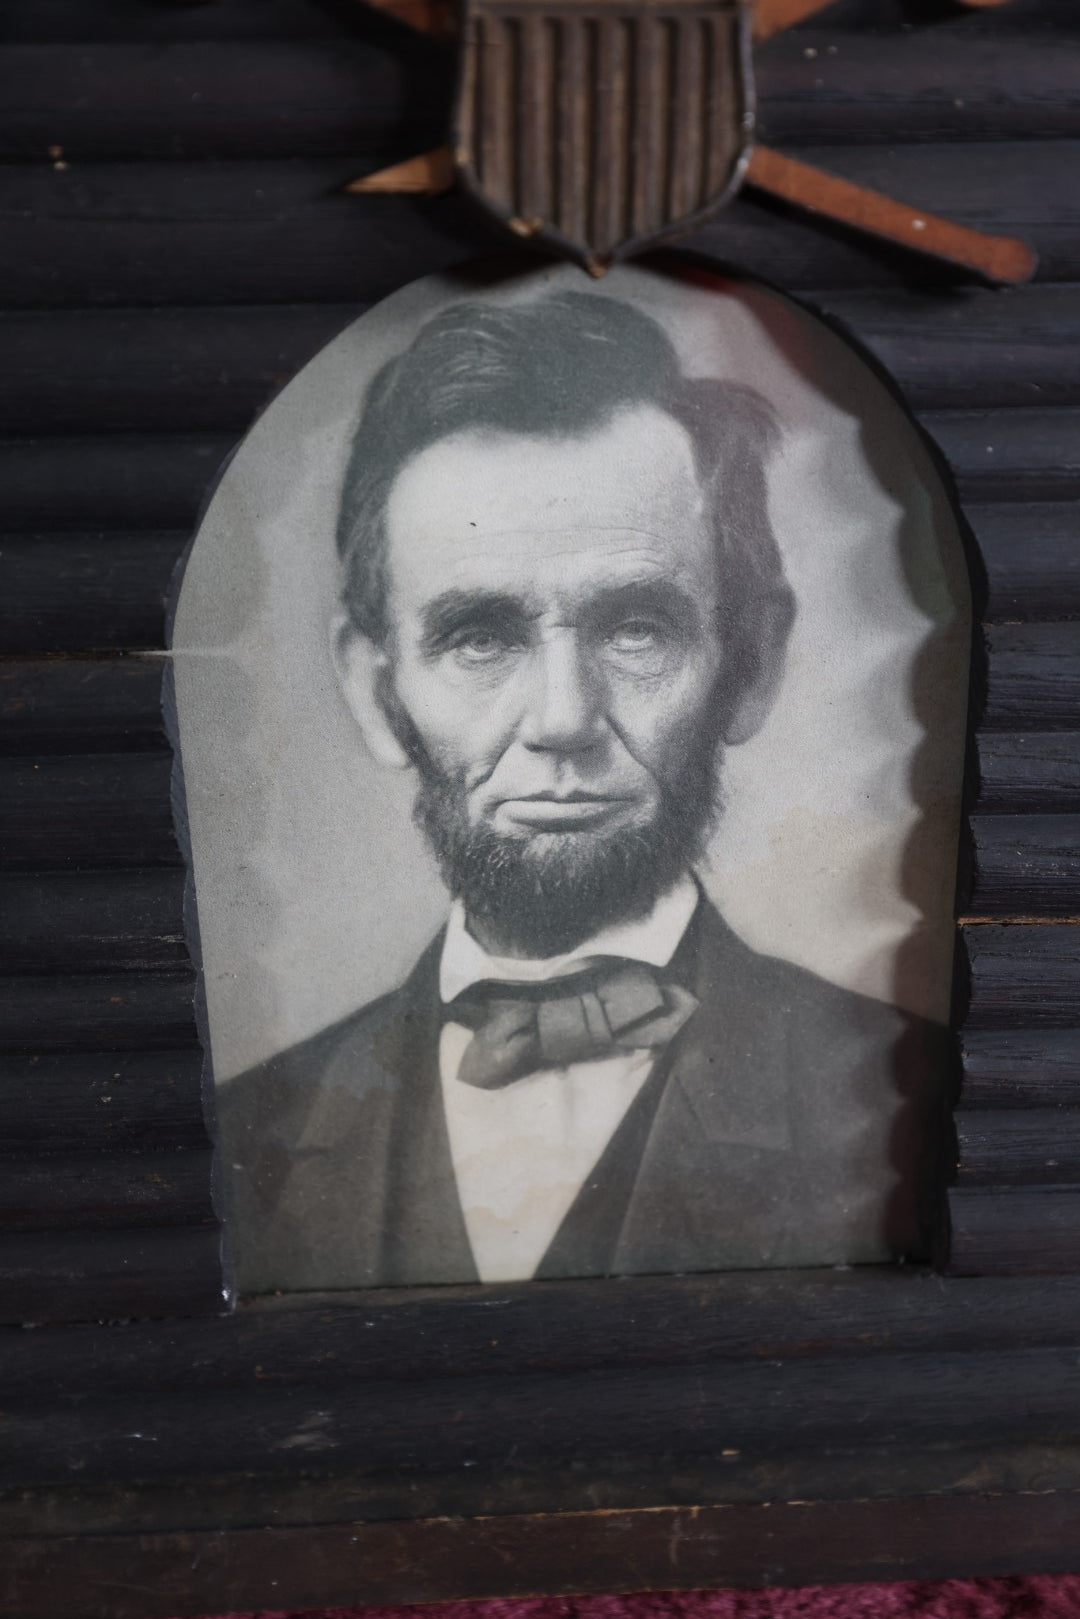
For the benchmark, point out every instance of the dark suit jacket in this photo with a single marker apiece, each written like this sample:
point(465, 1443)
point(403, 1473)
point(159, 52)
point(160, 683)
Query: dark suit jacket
point(789, 1123)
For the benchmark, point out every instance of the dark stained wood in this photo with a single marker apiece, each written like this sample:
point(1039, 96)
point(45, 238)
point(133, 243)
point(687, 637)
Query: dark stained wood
point(1023, 975)
point(146, 481)
point(92, 921)
point(215, 99)
point(80, 705)
point(109, 1275)
point(1021, 1068)
point(97, 1012)
point(1034, 677)
point(116, 100)
point(210, 369)
point(781, 1542)
point(1003, 455)
point(1021, 771)
point(1026, 865)
point(127, 1101)
point(90, 810)
point(95, 1191)
point(411, 1334)
point(85, 592)
point(1032, 559)
point(187, 233)
point(1030, 1231)
point(1033, 1147)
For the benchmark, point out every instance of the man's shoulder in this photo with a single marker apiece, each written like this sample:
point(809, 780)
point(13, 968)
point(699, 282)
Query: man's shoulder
point(358, 1042)
point(790, 994)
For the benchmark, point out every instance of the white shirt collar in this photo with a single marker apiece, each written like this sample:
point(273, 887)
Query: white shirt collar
point(653, 938)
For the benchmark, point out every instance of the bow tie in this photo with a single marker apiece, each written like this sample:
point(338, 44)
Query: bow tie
point(520, 1028)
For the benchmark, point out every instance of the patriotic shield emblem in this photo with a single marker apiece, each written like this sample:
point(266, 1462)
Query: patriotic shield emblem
point(602, 126)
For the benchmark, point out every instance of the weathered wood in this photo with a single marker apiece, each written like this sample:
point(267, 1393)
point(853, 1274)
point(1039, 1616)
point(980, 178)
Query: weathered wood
point(80, 705)
point(142, 482)
point(1032, 559)
point(91, 810)
point(1029, 455)
point(92, 921)
point(57, 1193)
point(1033, 677)
point(85, 592)
point(98, 1012)
point(200, 99)
point(1026, 1230)
point(1026, 865)
point(184, 233)
point(132, 1576)
point(210, 369)
point(110, 1275)
point(1023, 976)
point(271, 98)
point(411, 1334)
point(1028, 771)
point(127, 1101)
point(1014, 1147)
point(1021, 1068)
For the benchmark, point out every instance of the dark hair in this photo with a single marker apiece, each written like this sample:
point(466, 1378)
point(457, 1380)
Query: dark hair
point(556, 367)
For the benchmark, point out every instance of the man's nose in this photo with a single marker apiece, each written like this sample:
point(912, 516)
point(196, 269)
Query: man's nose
point(564, 704)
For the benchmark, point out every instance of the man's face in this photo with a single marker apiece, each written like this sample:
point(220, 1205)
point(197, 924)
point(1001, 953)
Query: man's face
point(553, 636)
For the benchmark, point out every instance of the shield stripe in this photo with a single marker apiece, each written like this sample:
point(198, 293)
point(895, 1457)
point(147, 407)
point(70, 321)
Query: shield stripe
point(604, 122)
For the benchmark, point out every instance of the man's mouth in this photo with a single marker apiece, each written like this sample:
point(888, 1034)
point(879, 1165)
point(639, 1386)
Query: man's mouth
point(562, 812)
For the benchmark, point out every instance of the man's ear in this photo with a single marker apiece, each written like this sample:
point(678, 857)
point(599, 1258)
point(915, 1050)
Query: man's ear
point(758, 667)
point(363, 669)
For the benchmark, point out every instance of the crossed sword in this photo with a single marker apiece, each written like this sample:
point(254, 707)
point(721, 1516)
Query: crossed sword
point(1001, 260)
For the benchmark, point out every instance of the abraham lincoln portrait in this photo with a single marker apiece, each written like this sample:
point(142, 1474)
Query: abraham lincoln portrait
point(560, 611)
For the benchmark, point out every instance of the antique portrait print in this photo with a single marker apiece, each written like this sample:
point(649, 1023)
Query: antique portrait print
point(570, 687)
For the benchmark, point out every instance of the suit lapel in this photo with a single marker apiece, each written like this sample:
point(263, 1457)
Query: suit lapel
point(722, 1125)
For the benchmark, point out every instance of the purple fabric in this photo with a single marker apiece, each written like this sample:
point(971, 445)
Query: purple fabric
point(1037, 1596)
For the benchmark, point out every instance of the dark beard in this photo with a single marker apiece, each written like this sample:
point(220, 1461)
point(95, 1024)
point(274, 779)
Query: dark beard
point(544, 894)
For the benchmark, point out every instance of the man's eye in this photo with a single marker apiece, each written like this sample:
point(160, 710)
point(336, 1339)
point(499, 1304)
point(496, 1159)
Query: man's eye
point(635, 635)
point(479, 646)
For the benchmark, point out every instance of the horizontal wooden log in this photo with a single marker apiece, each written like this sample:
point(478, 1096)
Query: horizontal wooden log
point(81, 705)
point(905, 86)
point(128, 1101)
point(98, 1012)
point(1032, 558)
point(1033, 677)
point(1028, 771)
point(276, 98)
point(517, 1425)
point(159, 480)
point(110, 482)
point(85, 592)
point(1018, 1147)
point(1017, 1231)
point(92, 810)
point(1029, 455)
point(1020, 1068)
point(92, 921)
point(110, 1275)
point(411, 1334)
point(451, 1557)
point(99, 1192)
point(1023, 976)
point(216, 100)
point(211, 369)
point(276, 232)
point(1026, 865)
